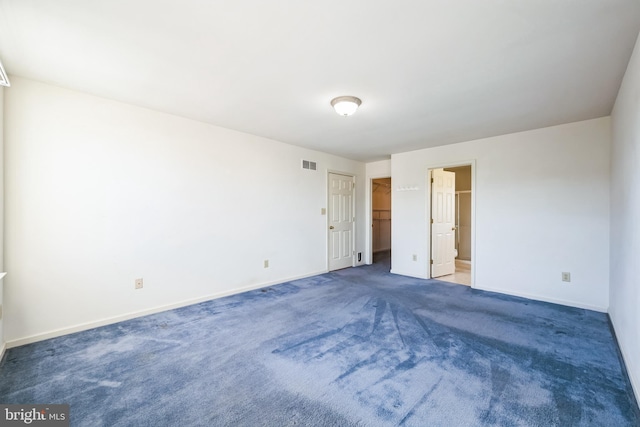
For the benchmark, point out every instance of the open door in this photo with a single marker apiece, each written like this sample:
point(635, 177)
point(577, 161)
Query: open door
point(443, 192)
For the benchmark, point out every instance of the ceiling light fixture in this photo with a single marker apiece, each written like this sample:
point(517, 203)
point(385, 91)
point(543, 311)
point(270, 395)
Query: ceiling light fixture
point(345, 105)
point(4, 80)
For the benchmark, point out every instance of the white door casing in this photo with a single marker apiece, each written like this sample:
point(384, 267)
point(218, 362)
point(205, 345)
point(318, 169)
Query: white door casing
point(341, 221)
point(443, 191)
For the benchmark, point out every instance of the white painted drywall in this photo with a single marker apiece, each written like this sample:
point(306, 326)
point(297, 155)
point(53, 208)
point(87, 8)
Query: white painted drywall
point(541, 208)
point(625, 218)
point(379, 169)
point(99, 193)
point(2, 341)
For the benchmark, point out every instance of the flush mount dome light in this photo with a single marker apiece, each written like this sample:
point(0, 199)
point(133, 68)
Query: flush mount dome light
point(345, 105)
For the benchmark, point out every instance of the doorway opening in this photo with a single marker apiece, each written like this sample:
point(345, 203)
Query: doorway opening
point(451, 224)
point(381, 222)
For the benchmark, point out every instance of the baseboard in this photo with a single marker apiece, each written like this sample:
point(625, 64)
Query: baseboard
point(408, 275)
point(128, 316)
point(626, 359)
point(3, 348)
point(601, 309)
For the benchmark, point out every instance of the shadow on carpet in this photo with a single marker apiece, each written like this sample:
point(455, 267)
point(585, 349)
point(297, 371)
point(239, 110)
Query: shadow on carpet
point(357, 347)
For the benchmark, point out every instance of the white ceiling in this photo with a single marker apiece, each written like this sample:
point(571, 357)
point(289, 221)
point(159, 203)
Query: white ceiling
point(428, 72)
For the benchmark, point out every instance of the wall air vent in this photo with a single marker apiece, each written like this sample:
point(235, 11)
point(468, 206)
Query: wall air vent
point(307, 164)
point(4, 80)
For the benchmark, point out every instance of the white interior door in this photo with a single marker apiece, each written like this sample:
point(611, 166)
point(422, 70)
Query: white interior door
point(443, 193)
point(341, 221)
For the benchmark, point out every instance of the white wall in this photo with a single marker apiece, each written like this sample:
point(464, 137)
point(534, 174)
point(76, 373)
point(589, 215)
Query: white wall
point(379, 169)
point(99, 193)
point(625, 218)
point(2, 340)
point(543, 193)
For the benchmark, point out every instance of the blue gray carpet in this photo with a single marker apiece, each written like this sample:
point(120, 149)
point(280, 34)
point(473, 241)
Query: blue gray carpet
point(357, 347)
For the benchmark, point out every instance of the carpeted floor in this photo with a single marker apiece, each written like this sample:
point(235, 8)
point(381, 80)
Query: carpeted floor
point(357, 347)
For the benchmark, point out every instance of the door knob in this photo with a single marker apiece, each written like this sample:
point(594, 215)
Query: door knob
point(331, 227)
point(454, 228)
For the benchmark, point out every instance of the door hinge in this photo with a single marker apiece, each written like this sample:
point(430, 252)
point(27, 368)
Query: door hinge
point(431, 220)
point(432, 180)
point(431, 262)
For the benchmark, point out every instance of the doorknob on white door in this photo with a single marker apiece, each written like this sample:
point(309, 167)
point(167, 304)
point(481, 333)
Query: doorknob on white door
point(331, 227)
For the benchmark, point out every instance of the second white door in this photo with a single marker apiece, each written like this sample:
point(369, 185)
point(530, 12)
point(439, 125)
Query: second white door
point(443, 193)
point(341, 221)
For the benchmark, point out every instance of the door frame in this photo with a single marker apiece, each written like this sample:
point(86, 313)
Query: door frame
point(355, 216)
point(369, 218)
point(474, 190)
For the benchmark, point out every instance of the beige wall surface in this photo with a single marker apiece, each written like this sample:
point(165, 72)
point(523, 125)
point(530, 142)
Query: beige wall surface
point(463, 210)
point(463, 177)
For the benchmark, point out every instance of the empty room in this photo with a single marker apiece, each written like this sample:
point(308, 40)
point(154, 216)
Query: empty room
point(357, 213)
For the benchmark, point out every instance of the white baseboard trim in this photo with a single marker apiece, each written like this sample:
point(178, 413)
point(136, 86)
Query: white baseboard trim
point(128, 316)
point(601, 309)
point(409, 275)
point(3, 348)
point(626, 357)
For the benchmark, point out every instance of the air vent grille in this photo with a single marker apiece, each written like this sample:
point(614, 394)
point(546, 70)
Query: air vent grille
point(4, 80)
point(308, 164)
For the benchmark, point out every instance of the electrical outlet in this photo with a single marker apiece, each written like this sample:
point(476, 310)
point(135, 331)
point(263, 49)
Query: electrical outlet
point(415, 257)
point(139, 283)
point(566, 277)
point(266, 263)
